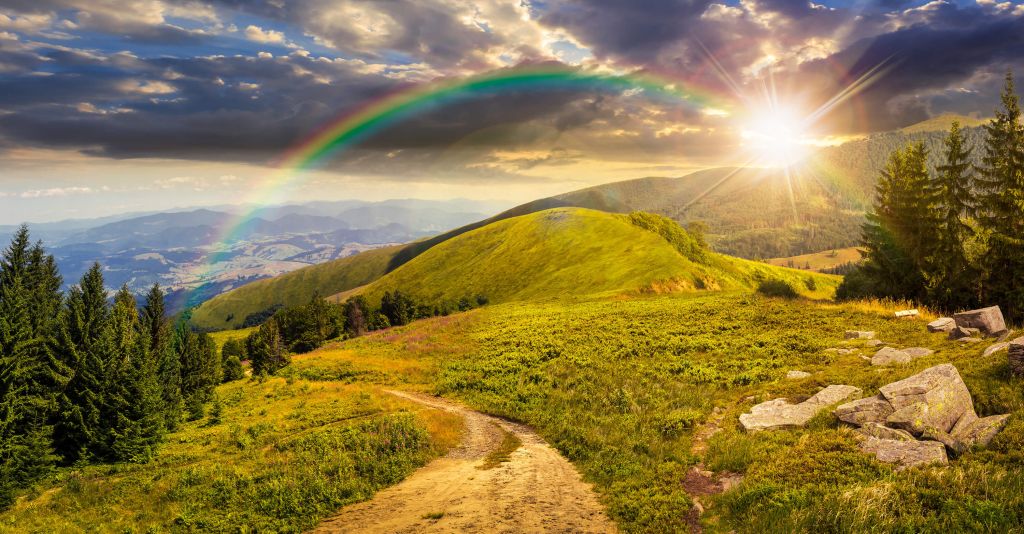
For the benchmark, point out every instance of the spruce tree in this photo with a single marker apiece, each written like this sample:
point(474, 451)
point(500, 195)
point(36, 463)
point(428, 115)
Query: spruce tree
point(168, 366)
point(266, 349)
point(200, 364)
point(82, 342)
point(1001, 208)
point(951, 279)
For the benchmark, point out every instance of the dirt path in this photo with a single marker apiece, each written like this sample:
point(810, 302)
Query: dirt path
point(537, 490)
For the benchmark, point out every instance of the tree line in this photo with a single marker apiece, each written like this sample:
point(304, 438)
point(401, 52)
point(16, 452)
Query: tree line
point(952, 237)
point(86, 379)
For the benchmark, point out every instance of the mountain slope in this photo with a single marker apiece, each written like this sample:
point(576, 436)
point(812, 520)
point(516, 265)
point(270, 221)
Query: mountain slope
point(568, 252)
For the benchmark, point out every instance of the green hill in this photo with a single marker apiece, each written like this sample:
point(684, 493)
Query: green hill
point(229, 310)
point(572, 252)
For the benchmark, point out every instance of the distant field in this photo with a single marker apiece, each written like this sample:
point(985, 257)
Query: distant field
point(282, 455)
point(620, 385)
point(820, 261)
point(222, 337)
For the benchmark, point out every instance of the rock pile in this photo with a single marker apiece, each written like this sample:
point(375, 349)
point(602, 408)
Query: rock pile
point(916, 420)
point(779, 413)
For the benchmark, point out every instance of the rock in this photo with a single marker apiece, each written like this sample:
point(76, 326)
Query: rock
point(918, 352)
point(797, 375)
point(857, 334)
point(942, 324)
point(960, 332)
point(1016, 351)
point(981, 431)
point(869, 410)
point(874, 343)
point(905, 453)
point(970, 340)
point(906, 314)
point(954, 446)
point(994, 348)
point(1006, 336)
point(935, 398)
point(988, 320)
point(876, 430)
point(890, 356)
point(779, 413)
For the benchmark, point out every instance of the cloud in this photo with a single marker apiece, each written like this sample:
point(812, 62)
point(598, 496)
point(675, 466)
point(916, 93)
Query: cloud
point(52, 192)
point(259, 35)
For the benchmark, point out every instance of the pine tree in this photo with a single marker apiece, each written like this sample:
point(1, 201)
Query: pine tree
point(951, 279)
point(168, 365)
point(266, 349)
point(1001, 207)
point(200, 364)
point(82, 346)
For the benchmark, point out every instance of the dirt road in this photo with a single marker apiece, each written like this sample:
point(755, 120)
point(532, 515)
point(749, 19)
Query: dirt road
point(537, 490)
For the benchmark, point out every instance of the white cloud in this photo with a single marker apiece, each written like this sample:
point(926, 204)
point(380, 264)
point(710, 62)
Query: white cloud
point(52, 192)
point(259, 35)
point(146, 87)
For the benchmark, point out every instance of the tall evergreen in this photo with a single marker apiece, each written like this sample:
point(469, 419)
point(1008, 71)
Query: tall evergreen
point(200, 364)
point(951, 278)
point(168, 366)
point(82, 343)
point(1001, 209)
point(266, 349)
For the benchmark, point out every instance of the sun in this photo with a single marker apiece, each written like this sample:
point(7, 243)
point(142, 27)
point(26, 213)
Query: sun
point(776, 138)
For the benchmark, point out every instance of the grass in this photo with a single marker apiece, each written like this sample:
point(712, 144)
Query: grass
point(509, 444)
point(620, 385)
point(285, 454)
point(223, 336)
point(820, 261)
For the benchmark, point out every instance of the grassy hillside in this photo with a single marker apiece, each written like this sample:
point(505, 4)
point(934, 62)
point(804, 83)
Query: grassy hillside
point(819, 261)
point(623, 387)
point(230, 309)
point(281, 456)
point(571, 252)
point(942, 123)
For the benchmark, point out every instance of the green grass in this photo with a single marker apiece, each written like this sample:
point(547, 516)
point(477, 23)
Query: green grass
point(571, 252)
point(509, 444)
point(223, 336)
point(619, 385)
point(285, 454)
point(230, 309)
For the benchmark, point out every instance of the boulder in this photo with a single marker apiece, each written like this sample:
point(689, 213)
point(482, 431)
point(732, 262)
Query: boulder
point(988, 320)
point(1016, 351)
point(797, 375)
point(994, 348)
point(942, 324)
point(905, 453)
point(935, 398)
point(970, 340)
point(962, 332)
point(869, 410)
point(876, 430)
point(918, 352)
point(858, 334)
point(890, 356)
point(779, 413)
point(980, 431)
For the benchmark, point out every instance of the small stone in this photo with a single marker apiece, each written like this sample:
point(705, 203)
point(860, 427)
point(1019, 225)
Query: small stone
point(942, 324)
point(905, 453)
point(960, 332)
point(890, 356)
point(994, 348)
point(797, 375)
point(970, 340)
point(988, 320)
point(876, 430)
point(858, 334)
point(874, 343)
point(869, 410)
point(918, 352)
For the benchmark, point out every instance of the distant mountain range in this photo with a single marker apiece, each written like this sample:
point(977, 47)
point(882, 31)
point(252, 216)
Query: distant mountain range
point(181, 250)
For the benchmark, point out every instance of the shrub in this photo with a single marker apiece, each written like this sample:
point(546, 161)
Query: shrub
point(776, 288)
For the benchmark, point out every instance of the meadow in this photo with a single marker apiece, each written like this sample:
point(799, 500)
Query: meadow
point(621, 385)
point(276, 455)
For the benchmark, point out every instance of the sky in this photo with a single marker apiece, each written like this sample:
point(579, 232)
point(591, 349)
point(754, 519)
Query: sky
point(110, 106)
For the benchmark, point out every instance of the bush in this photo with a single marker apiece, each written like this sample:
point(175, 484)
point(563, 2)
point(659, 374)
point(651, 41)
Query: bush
point(232, 367)
point(777, 288)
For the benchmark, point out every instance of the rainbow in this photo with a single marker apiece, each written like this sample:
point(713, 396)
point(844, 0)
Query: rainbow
point(354, 126)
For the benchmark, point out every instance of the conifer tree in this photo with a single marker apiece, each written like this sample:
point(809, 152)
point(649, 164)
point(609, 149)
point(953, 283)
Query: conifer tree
point(168, 365)
point(82, 343)
point(200, 364)
point(951, 278)
point(1001, 209)
point(266, 349)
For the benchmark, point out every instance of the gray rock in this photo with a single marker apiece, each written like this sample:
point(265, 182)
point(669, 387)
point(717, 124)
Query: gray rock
point(960, 332)
point(954, 445)
point(981, 431)
point(858, 334)
point(869, 410)
point(876, 430)
point(988, 320)
point(918, 352)
point(779, 413)
point(942, 324)
point(874, 343)
point(970, 340)
point(994, 348)
point(905, 453)
point(935, 398)
point(797, 375)
point(890, 356)
point(1016, 355)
